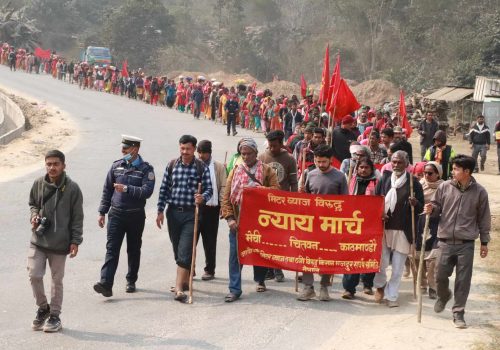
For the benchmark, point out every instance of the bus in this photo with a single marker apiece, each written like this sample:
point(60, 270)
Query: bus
point(95, 55)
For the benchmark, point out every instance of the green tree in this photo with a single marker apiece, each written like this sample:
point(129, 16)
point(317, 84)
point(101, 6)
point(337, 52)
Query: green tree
point(137, 30)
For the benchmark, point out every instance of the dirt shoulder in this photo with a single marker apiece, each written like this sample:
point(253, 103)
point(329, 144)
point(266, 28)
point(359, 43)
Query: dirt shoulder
point(47, 127)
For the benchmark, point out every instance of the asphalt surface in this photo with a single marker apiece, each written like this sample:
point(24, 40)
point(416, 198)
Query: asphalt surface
point(149, 318)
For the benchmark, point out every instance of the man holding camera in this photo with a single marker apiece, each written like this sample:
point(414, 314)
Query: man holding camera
point(57, 224)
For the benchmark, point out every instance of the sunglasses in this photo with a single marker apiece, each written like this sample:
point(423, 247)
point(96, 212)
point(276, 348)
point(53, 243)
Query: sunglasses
point(429, 173)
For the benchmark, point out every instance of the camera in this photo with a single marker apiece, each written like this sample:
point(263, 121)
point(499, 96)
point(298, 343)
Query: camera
point(43, 225)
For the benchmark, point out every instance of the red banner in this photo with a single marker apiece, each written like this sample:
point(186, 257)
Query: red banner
point(327, 234)
point(44, 54)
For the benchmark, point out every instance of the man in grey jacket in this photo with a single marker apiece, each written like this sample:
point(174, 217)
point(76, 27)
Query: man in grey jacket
point(56, 206)
point(464, 211)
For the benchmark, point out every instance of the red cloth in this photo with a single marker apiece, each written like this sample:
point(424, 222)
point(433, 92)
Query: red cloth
point(303, 86)
point(41, 53)
point(405, 124)
point(334, 83)
point(125, 69)
point(325, 79)
point(344, 102)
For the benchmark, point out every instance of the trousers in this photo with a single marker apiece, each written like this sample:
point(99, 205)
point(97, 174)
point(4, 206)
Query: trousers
point(37, 261)
point(391, 290)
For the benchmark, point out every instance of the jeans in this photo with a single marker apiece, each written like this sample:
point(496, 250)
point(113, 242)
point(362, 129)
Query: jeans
point(350, 282)
point(391, 290)
point(181, 229)
point(259, 273)
point(460, 257)
point(479, 150)
point(231, 121)
point(37, 260)
point(119, 225)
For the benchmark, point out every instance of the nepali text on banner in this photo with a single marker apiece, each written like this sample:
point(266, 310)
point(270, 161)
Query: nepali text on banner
point(327, 234)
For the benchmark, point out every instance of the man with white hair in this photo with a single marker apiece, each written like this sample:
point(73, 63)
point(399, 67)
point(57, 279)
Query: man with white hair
point(398, 239)
point(250, 173)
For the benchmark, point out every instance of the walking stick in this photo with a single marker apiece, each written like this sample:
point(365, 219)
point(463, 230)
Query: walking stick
point(302, 179)
point(421, 268)
point(412, 247)
point(195, 242)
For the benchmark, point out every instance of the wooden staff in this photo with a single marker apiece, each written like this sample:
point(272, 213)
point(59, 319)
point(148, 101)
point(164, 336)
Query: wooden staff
point(195, 242)
point(225, 161)
point(413, 266)
point(301, 185)
point(421, 268)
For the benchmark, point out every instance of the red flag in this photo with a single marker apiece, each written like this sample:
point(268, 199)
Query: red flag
point(334, 83)
point(325, 79)
point(125, 69)
point(41, 53)
point(344, 102)
point(303, 86)
point(405, 124)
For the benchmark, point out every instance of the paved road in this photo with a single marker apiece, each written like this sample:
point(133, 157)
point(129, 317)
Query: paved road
point(149, 318)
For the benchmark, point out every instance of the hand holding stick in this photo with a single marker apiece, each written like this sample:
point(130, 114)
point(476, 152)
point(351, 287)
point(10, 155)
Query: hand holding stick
point(195, 242)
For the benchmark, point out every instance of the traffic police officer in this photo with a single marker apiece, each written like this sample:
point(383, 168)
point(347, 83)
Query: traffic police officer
point(129, 182)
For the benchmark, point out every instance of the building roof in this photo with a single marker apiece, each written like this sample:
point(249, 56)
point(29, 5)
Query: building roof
point(450, 94)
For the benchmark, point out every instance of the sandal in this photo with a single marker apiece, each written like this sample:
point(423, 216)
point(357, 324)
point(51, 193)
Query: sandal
point(185, 287)
point(231, 297)
point(261, 287)
point(180, 296)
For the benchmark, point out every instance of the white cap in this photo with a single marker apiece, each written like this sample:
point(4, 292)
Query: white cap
point(128, 141)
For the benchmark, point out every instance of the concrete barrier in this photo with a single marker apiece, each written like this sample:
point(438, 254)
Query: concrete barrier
point(12, 120)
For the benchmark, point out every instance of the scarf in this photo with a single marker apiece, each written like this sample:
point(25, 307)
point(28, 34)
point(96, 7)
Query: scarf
point(429, 188)
point(365, 184)
point(391, 197)
point(241, 180)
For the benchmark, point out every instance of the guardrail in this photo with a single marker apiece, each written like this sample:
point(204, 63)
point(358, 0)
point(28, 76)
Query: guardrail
point(12, 120)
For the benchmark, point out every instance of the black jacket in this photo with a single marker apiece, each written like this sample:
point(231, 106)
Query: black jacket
point(480, 137)
point(427, 131)
point(383, 188)
point(342, 139)
point(288, 121)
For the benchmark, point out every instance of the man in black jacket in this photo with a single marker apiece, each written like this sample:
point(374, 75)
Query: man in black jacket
point(398, 237)
point(291, 119)
point(404, 144)
point(342, 138)
point(427, 129)
point(480, 141)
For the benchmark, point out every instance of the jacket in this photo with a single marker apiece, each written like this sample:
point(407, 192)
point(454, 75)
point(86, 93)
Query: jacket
point(383, 188)
point(220, 178)
point(448, 155)
point(464, 214)
point(64, 211)
point(140, 180)
point(270, 179)
point(342, 139)
point(427, 132)
point(480, 137)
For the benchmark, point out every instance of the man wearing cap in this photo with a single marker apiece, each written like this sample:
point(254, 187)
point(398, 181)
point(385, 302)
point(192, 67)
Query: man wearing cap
point(210, 211)
point(129, 182)
point(342, 137)
point(179, 190)
point(251, 173)
point(441, 153)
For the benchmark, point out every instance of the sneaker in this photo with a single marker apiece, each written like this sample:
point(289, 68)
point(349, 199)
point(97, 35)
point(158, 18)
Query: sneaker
point(347, 295)
point(279, 276)
point(392, 304)
point(102, 289)
point(368, 290)
point(379, 295)
point(53, 324)
point(323, 294)
point(441, 303)
point(432, 294)
point(307, 293)
point(270, 274)
point(458, 320)
point(130, 287)
point(207, 276)
point(41, 315)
